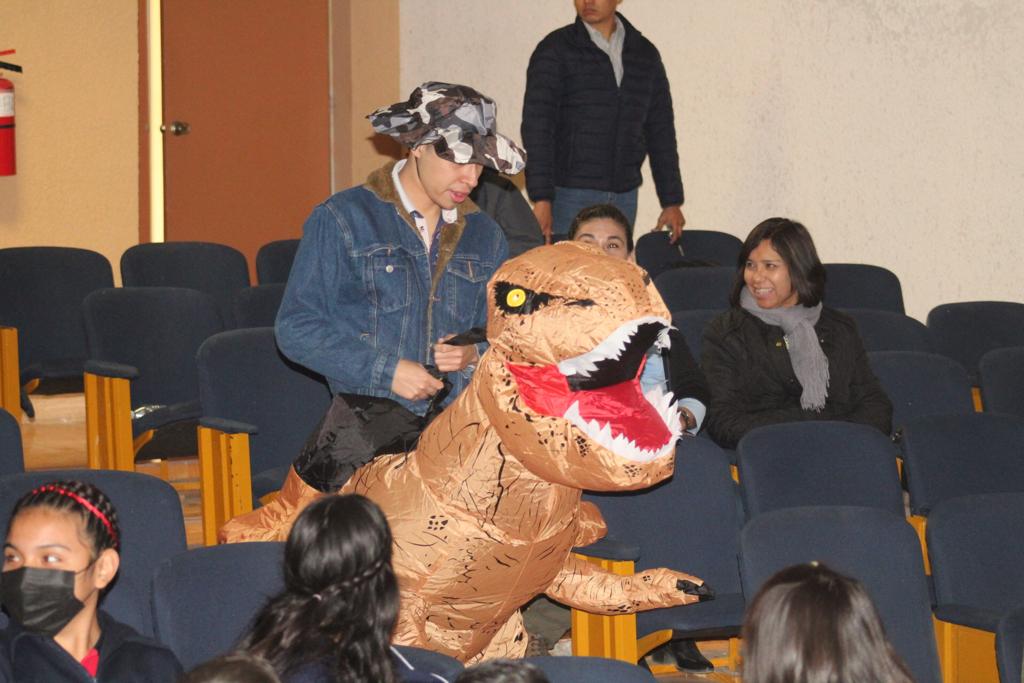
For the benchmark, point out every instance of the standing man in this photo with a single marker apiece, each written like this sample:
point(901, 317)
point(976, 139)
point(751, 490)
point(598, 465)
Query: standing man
point(386, 272)
point(387, 269)
point(597, 103)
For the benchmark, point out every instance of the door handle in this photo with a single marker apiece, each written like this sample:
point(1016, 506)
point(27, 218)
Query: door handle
point(176, 128)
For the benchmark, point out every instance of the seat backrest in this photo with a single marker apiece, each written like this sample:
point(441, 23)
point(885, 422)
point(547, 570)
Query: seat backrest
point(876, 547)
point(712, 245)
point(818, 463)
point(205, 599)
point(243, 377)
point(1010, 645)
point(921, 384)
point(12, 458)
point(696, 509)
point(152, 529)
point(961, 455)
point(155, 329)
point(686, 289)
point(257, 306)
point(859, 285)
point(656, 254)
point(41, 293)
point(274, 261)
point(216, 269)
point(692, 324)
point(590, 669)
point(966, 331)
point(889, 331)
point(1001, 374)
point(976, 554)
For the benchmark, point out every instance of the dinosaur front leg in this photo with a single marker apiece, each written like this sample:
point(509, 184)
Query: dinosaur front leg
point(586, 586)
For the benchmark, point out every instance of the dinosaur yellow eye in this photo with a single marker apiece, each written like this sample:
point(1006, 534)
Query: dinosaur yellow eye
point(515, 298)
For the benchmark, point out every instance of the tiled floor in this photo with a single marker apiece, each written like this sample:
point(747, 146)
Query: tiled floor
point(56, 439)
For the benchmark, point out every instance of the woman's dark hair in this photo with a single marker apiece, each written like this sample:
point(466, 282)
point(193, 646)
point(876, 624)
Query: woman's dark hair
point(237, 667)
point(340, 601)
point(796, 248)
point(83, 500)
point(502, 671)
point(609, 211)
point(810, 624)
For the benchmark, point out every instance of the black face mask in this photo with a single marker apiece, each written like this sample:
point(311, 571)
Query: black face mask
point(41, 600)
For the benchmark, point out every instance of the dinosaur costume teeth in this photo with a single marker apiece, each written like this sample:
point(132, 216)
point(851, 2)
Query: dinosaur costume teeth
point(599, 392)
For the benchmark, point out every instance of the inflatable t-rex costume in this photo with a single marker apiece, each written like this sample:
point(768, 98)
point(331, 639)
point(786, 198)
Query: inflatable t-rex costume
point(487, 508)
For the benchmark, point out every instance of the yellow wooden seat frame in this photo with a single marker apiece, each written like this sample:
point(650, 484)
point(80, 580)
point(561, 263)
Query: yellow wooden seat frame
point(225, 475)
point(10, 372)
point(966, 655)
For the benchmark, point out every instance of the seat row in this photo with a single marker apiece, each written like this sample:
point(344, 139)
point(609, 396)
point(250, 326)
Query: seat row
point(828, 492)
point(42, 334)
point(700, 511)
point(192, 600)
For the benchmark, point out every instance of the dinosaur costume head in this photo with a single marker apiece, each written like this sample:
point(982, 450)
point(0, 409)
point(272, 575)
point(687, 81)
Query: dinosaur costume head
point(570, 329)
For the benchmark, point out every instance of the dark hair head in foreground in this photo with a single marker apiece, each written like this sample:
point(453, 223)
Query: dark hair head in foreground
point(502, 671)
point(340, 601)
point(810, 624)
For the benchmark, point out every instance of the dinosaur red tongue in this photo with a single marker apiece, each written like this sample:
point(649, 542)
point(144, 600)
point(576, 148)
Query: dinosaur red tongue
point(622, 406)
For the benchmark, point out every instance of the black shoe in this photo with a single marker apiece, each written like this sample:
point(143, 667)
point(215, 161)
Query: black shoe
point(689, 658)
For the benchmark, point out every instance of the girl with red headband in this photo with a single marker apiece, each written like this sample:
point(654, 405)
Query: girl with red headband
point(60, 553)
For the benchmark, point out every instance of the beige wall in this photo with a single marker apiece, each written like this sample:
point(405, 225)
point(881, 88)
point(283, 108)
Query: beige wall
point(892, 129)
point(77, 125)
point(364, 76)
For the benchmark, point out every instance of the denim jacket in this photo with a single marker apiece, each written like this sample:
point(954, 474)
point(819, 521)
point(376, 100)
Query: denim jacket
point(357, 299)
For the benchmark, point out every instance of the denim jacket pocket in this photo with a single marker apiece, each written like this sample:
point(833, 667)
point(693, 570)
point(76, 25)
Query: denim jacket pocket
point(464, 293)
point(389, 274)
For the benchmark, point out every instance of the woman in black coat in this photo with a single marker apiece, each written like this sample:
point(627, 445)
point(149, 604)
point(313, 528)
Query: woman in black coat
point(778, 355)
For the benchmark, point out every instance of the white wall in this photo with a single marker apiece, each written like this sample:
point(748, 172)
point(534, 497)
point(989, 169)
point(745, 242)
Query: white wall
point(892, 129)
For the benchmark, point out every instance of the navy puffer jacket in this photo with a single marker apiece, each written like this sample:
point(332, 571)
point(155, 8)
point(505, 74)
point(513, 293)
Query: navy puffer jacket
point(581, 130)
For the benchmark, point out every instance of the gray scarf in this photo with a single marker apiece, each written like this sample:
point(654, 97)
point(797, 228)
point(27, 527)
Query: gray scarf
point(809, 362)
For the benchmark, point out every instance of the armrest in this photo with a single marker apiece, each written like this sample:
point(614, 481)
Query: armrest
point(611, 549)
point(228, 426)
point(105, 368)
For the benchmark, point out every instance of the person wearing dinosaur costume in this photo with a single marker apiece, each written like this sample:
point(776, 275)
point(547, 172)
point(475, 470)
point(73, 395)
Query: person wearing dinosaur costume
point(487, 508)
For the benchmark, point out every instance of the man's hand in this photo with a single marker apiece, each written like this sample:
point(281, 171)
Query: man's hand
point(542, 210)
point(413, 382)
point(449, 358)
point(671, 216)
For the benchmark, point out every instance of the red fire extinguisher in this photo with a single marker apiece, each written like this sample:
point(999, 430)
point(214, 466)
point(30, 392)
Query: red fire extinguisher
point(7, 162)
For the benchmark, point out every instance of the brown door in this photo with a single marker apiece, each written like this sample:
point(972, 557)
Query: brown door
point(249, 80)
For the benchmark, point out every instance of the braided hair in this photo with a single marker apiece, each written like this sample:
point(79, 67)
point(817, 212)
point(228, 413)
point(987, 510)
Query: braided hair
point(82, 499)
point(340, 601)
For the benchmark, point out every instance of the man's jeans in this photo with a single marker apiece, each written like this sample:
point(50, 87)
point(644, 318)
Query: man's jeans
point(569, 201)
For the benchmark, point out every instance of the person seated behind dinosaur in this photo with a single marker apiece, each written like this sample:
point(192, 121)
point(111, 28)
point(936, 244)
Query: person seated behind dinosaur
point(605, 226)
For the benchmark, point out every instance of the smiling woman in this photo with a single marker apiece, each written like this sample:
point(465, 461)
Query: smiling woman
point(778, 355)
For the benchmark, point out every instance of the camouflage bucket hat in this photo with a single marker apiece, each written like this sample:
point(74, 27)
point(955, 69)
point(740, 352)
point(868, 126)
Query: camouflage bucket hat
point(457, 120)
